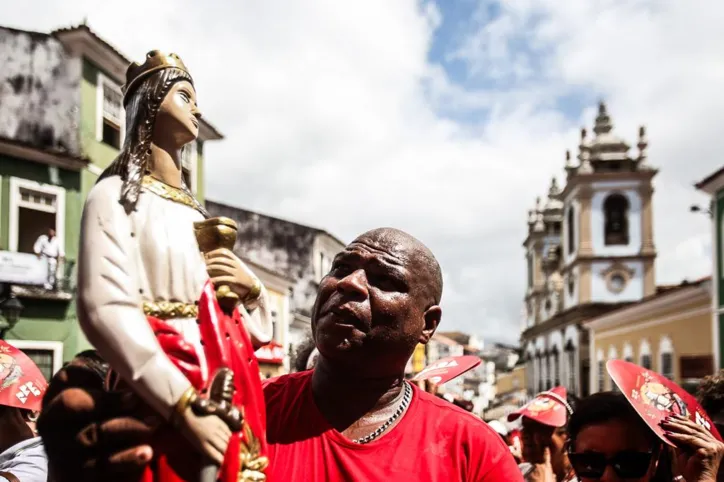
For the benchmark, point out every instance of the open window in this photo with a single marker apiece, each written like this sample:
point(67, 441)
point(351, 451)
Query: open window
point(47, 355)
point(110, 123)
point(645, 354)
point(34, 209)
point(570, 350)
point(666, 352)
point(570, 228)
point(615, 213)
point(601, 371)
point(613, 355)
point(555, 367)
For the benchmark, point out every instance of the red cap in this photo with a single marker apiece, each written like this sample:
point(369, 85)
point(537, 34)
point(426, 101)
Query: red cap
point(446, 369)
point(655, 397)
point(549, 408)
point(22, 385)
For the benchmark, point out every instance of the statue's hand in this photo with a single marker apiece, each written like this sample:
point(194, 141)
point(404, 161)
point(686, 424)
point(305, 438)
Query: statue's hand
point(226, 269)
point(208, 433)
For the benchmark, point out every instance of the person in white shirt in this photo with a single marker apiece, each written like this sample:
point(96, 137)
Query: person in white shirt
point(48, 246)
point(23, 456)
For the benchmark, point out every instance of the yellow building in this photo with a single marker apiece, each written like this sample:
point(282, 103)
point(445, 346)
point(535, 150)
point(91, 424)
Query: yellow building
point(418, 359)
point(507, 383)
point(669, 332)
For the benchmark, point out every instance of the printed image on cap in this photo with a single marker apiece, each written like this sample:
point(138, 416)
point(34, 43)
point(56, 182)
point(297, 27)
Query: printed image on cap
point(655, 397)
point(22, 385)
point(549, 408)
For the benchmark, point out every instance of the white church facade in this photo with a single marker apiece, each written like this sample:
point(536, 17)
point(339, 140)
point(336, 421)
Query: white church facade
point(590, 249)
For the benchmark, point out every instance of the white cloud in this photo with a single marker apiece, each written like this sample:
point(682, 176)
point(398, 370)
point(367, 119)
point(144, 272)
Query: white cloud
point(331, 112)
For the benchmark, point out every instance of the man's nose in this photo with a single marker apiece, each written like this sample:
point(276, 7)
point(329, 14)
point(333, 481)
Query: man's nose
point(354, 283)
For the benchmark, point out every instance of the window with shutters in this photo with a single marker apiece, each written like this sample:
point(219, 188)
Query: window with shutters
point(47, 355)
point(111, 122)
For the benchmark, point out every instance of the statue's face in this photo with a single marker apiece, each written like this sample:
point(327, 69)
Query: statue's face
point(177, 121)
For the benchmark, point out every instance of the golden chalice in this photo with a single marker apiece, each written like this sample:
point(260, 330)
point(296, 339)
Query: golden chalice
point(213, 234)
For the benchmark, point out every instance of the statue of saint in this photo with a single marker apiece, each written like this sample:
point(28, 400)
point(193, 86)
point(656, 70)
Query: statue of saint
point(177, 321)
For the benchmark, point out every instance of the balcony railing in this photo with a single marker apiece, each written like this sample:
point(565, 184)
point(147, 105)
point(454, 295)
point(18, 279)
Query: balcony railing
point(28, 275)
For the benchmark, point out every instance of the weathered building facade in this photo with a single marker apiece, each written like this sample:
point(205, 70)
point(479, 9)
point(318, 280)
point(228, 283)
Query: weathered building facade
point(61, 124)
point(590, 249)
point(301, 253)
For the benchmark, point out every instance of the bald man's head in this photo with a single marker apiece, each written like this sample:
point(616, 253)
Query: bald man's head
point(378, 302)
point(420, 260)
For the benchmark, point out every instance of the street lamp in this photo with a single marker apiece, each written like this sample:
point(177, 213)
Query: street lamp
point(10, 309)
point(698, 209)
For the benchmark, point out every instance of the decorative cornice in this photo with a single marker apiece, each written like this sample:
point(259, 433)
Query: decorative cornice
point(571, 316)
point(581, 258)
point(586, 179)
point(649, 307)
point(22, 151)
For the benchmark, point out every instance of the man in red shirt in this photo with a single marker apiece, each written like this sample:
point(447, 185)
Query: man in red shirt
point(354, 417)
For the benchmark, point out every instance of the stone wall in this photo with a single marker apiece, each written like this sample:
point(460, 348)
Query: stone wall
point(39, 92)
point(281, 246)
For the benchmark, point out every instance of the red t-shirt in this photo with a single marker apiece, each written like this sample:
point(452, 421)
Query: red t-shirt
point(434, 441)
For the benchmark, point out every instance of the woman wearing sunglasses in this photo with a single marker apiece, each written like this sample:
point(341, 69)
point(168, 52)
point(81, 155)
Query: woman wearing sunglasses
point(609, 442)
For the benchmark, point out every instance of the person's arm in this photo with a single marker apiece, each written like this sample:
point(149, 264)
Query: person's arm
point(258, 320)
point(38, 246)
point(109, 304)
point(29, 465)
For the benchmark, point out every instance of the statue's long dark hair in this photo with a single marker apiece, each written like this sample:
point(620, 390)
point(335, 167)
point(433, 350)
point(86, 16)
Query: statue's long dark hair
point(132, 162)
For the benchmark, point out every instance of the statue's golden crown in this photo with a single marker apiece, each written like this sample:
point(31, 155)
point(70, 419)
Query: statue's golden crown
point(155, 61)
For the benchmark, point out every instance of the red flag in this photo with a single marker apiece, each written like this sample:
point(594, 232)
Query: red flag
point(22, 385)
point(654, 397)
point(446, 369)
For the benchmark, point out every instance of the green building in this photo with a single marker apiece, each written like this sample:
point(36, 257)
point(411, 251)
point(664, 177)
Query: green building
point(714, 186)
point(61, 124)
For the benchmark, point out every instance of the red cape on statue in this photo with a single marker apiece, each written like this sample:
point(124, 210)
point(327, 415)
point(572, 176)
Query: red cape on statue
point(226, 344)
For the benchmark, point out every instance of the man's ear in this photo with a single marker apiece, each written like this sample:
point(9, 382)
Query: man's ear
point(432, 319)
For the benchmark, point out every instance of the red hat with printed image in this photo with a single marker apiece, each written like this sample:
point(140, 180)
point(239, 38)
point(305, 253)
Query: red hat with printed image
point(22, 385)
point(549, 408)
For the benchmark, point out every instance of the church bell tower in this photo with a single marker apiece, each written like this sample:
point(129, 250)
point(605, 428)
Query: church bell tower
point(607, 243)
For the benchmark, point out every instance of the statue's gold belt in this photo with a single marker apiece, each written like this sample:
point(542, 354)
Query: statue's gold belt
point(166, 310)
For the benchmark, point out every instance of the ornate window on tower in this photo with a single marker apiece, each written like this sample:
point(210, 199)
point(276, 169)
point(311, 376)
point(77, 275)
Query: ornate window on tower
point(571, 225)
point(571, 284)
point(530, 270)
point(615, 214)
point(617, 277)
